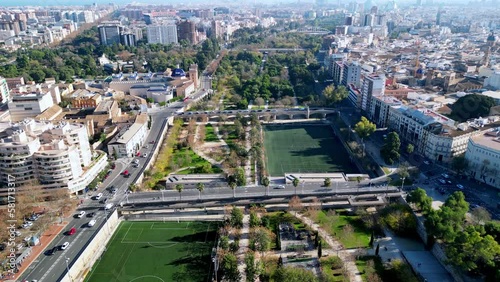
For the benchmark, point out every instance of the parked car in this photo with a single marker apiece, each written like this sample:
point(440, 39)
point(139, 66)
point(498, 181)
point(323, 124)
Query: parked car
point(92, 214)
point(51, 251)
point(72, 231)
point(460, 186)
point(92, 223)
point(98, 196)
point(442, 181)
point(80, 214)
point(145, 155)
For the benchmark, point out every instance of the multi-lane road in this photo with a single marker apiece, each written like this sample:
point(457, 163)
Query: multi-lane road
point(49, 268)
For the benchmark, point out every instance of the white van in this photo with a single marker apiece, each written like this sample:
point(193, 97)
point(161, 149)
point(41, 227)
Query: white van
point(99, 196)
point(108, 206)
point(92, 223)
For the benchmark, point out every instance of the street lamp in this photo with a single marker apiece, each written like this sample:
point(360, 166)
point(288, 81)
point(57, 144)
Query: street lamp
point(303, 181)
point(402, 184)
point(67, 268)
point(162, 195)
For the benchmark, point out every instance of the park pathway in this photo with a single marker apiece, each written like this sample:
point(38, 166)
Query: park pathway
point(345, 255)
point(244, 243)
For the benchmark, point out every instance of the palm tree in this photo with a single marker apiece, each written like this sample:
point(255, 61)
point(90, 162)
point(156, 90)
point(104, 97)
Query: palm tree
point(233, 187)
point(200, 187)
point(179, 188)
point(265, 181)
point(295, 183)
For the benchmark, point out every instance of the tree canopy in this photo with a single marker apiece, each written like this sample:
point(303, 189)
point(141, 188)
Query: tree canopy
point(471, 106)
point(334, 94)
point(364, 128)
point(390, 149)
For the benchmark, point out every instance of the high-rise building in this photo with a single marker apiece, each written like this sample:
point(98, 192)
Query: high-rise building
point(163, 34)
point(187, 30)
point(217, 30)
point(193, 75)
point(373, 86)
point(369, 20)
point(128, 39)
point(109, 34)
point(351, 74)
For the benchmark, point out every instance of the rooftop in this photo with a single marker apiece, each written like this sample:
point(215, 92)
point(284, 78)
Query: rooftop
point(126, 134)
point(491, 141)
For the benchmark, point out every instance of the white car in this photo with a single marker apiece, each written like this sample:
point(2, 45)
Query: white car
point(98, 196)
point(426, 162)
point(92, 223)
point(29, 223)
point(280, 187)
point(80, 214)
point(460, 186)
point(145, 155)
point(17, 233)
point(108, 206)
point(27, 239)
point(64, 246)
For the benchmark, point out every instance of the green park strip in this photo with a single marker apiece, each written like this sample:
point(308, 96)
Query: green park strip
point(304, 149)
point(157, 251)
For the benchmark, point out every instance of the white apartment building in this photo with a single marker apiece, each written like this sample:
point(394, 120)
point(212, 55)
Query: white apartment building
point(73, 134)
point(483, 155)
point(4, 91)
point(29, 105)
point(162, 33)
point(129, 140)
point(58, 156)
point(351, 74)
point(16, 151)
point(57, 163)
point(380, 108)
point(373, 86)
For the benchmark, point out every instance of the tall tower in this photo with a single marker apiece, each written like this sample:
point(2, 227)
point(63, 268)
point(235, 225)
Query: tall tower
point(193, 75)
point(438, 17)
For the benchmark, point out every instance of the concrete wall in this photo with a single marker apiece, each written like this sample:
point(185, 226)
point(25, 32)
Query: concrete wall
point(88, 256)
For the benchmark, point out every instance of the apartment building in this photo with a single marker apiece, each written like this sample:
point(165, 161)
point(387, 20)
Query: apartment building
point(57, 163)
point(29, 105)
point(373, 86)
point(380, 108)
point(56, 155)
point(130, 139)
point(351, 73)
point(483, 155)
point(162, 33)
point(82, 98)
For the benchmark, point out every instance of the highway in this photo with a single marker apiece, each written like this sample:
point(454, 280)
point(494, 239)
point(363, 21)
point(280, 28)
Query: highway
point(52, 268)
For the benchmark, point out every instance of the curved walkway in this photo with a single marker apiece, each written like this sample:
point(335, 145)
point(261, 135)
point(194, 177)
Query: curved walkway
point(345, 255)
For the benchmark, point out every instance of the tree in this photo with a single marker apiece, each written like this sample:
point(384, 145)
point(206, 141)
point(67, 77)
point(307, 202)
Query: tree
point(254, 219)
point(240, 177)
point(200, 187)
point(236, 219)
point(459, 164)
point(265, 182)
point(420, 199)
point(390, 149)
point(327, 182)
point(232, 185)
point(320, 251)
point(261, 239)
point(480, 215)
point(364, 128)
point(471, 106)
point(372, 238)
point(403, 171)
point(179, 188)
point(295, 204)
point(230, 268)
point(252, 267)
point(294, 274)
point(334, 95)
point(295, 182)
point(410, 148)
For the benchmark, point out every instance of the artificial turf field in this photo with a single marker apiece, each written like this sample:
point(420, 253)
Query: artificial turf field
point(157, 251)
point(304, 149)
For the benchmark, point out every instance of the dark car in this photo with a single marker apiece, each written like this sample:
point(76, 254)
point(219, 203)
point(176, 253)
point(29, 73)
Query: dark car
point(52, 251)
point(91, 214)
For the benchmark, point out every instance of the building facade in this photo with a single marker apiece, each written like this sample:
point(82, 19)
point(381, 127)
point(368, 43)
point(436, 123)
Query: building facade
point(483, 156)
point(130, 139)
point(4, 91)
point(29, 105)
point(162, 34)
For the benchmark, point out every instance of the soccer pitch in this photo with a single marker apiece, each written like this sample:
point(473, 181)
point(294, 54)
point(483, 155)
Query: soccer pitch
point(306, 149)
point(157, 251)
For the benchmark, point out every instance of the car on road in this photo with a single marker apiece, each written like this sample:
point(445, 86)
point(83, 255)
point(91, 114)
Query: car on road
point(445, 175)
point(104, 200)
point(126, 173)
point(72, 231)
point(108, 206)
point(98, 196)
point(64, 246)
point(146, 147)
point(80, 214)
point(427, 162)
point(91, 214)
point(460, 186)
point(51, 251)
point(113, 166)
point(113, 190)
point(279, 187)
point(145, 155)
point(136, 161)
point(442, 181)
point(92, 222)
point(151, 142)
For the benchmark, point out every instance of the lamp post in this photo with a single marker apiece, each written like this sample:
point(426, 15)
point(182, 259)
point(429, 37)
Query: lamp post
point(402, 184)
point(67, 268)
point(162, 195)
point(303, 186)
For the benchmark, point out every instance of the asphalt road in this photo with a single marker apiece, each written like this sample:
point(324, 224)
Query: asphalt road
point(50, 268)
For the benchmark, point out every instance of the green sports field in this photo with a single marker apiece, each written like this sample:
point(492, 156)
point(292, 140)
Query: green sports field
point(157, 251)
point(306, 149)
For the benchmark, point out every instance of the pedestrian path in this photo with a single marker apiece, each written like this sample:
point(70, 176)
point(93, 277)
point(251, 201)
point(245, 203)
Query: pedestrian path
point(244, 243)
point(345, 255)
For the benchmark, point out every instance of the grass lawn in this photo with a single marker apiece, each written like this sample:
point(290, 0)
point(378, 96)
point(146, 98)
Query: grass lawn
point(332, 269)
point(313, 149)
point(210, 134)
point(397, 271)
point(359, 237)
point(186, 157)
point(231, 134)
point(157, 251)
